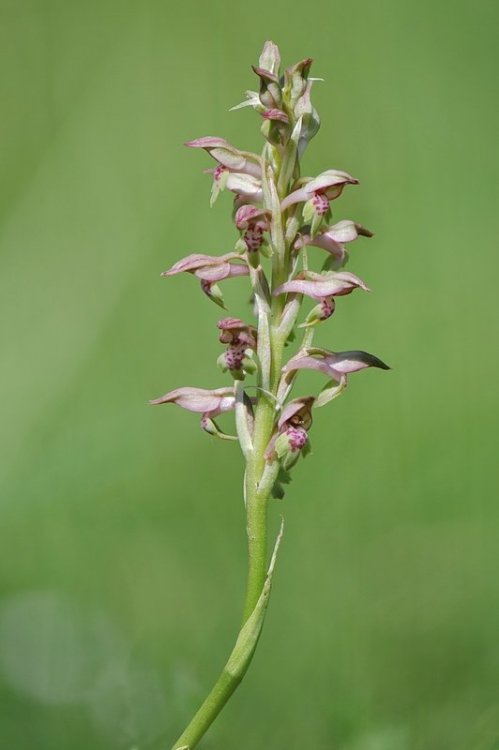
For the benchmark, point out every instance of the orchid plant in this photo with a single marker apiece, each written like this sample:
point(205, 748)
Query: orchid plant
point(279, 214)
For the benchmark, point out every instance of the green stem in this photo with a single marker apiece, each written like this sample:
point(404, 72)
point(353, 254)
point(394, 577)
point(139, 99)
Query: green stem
point(259, 579)
point(242, 654)
point(256, 505)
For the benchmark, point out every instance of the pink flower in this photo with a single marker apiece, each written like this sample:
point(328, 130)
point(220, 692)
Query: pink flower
point(209, 403)
point(322, 287)
point(253, 222)
point(320, 190)
point(210, 269)
point(245, 186)
point(235, 331)
point(336, 365)
point(237, 171)
point(228, 156)
point(332, 239)
point(241, 340)
point(291, 438)
point(317, 193)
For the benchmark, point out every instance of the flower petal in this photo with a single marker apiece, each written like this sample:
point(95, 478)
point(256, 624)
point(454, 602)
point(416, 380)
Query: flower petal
point(247, 215)
point(353, 361)
point(198, 260)
point(307, 363)
point(330, 178)
point(245, 185)
point(275, 114)
point(318, 285)
point(200, 400)
point(270, 58)
point(213, 273)
point(345, 231)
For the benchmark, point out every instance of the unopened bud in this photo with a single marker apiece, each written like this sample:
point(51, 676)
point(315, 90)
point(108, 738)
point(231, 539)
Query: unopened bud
point(270, 58)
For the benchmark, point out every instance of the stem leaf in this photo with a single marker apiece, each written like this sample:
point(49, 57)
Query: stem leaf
point(250, 632)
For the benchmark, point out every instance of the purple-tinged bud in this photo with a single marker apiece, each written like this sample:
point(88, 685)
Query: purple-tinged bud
point(310, 120)
point(270, 89)
point(295, 81)
point(270, 58)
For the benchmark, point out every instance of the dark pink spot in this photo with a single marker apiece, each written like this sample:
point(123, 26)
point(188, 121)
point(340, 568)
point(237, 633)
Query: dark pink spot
point(297, 437)
point(217, 174)
point(327, 307)
point(320, 203)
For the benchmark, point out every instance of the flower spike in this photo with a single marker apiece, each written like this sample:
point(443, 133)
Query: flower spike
point(276, 215)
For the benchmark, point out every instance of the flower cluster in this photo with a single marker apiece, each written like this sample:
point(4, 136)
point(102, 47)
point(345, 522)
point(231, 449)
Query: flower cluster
point(278, 214)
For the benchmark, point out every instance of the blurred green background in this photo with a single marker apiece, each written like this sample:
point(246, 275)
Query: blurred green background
point(122, 556)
